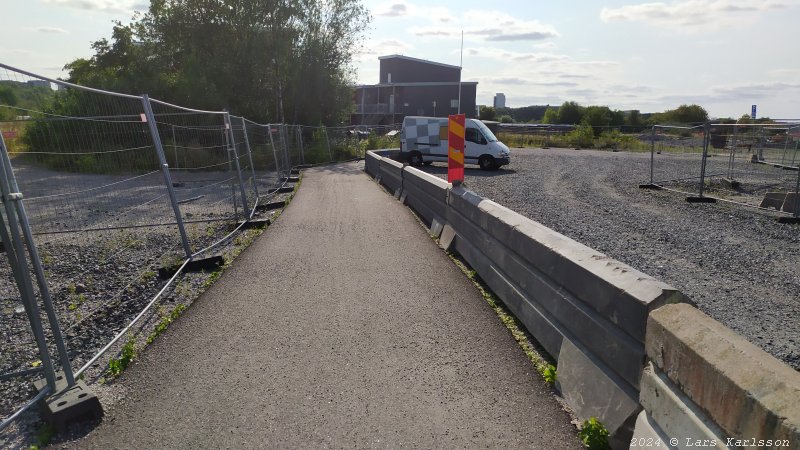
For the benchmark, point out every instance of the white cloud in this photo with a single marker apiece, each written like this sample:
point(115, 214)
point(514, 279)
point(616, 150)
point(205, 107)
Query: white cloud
point(392, 10)
point(693, 14)
point(106, 6)
point(503, 28)
point(52, 30)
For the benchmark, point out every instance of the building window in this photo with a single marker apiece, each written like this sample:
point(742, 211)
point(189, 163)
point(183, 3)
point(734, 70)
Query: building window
point(454, 103)
point(389, 77)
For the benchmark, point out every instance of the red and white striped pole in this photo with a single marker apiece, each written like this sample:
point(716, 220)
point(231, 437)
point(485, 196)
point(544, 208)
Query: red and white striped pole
point(455, 147)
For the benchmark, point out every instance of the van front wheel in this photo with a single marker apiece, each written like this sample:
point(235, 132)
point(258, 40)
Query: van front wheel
point(486, 162)
point(415, 159)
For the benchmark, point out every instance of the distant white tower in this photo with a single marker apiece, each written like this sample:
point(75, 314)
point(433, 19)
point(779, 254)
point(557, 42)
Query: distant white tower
point(499, 100)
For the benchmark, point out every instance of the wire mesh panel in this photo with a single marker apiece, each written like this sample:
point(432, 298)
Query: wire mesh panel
point(269, 158)
point(200, 148)
point(98, 207)
point(751, 163)
point(293, 140)
point(677, 155)
point(244, 161)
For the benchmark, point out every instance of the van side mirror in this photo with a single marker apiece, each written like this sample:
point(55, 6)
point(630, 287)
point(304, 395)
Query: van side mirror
point(483, 141)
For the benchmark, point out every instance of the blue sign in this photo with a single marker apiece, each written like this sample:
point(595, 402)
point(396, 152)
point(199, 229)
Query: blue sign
point(753, 113)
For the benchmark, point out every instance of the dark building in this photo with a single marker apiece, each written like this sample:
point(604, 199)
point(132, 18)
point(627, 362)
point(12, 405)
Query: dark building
point(412, 87)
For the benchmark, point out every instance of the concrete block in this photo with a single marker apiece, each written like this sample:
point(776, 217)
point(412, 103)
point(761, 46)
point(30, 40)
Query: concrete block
point(676, 414)
point(465, 203)
point(570, 314)
point(547, 331)
point(69, 404)
point(592, 390)
point(436, 228)
point(618, 292)
point(647, 434)
point(447, 238)
point(427, 183)
point(391, 174)
point(792, 199)
point(372, 164)
point(745, 391)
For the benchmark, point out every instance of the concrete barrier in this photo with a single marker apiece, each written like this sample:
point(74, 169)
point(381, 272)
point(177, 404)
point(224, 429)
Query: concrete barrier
point(427, 195)
point(390, 174)
point(744, 394)
point(372, 163)
point(586, 309)
point(631, 350)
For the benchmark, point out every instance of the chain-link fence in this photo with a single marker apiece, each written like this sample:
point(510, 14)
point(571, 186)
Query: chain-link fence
point(754, 165)
point(109, 198)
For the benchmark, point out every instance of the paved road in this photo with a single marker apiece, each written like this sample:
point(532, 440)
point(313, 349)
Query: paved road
point(341, 326)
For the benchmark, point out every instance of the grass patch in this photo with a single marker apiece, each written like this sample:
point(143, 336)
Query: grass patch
point(594, 435)
point(118, 365)
point(166, 321)
point(43, 437)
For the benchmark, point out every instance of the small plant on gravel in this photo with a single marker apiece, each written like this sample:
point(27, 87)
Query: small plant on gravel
point(594, 435)
point(148, 275)
point(165, 322)
point(549, 374)
point(46, 258)
point(117, 365)
point(43, 437)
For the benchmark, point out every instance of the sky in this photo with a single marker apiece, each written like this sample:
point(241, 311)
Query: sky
point(724, 55)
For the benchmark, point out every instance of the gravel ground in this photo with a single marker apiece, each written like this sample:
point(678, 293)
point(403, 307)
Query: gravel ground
point(738, 264)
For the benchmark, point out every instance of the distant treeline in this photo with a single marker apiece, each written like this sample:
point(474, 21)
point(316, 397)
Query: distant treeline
point(572, 113)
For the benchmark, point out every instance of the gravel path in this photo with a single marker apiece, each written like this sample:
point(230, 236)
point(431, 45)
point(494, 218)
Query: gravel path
point(739, 265)
point(313, 340)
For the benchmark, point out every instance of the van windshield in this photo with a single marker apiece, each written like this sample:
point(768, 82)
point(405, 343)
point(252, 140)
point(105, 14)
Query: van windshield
point(486, 131)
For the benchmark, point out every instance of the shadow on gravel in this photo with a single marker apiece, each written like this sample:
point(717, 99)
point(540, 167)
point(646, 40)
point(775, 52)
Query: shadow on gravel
point(473, 172)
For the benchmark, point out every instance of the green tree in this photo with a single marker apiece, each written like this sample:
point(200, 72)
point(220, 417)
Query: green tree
point(550, 116)
point(488, 113)
point(689, 114)
point(271, 60)
point(598, 117)
point(506, 119)
point(7, 98)
point(634, 118)
point(570, 113)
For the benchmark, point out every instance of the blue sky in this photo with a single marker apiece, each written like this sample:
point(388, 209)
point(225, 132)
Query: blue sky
point(723, 54)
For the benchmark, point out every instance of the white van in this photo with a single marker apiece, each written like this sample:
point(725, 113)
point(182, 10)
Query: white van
point(423, 140)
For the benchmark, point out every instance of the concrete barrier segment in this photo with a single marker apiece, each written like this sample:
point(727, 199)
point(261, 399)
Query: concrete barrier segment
point(675, 414)
point(611, 345)
point(594, 391)
point(391, 173)
point(748, 393)
point(618, 292)
point(372, 163)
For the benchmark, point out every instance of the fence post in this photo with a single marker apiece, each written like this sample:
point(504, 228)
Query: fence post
point(41, 280)
point(274, 152)
point(151, 123)
point(19, 267)
point(285, 144)
point(797, 195)
point(250, 157)
point(706, 139)
point(232, 148)
point(300, 140)
point(652, 152)
point(327, 142)
point(732, 158)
